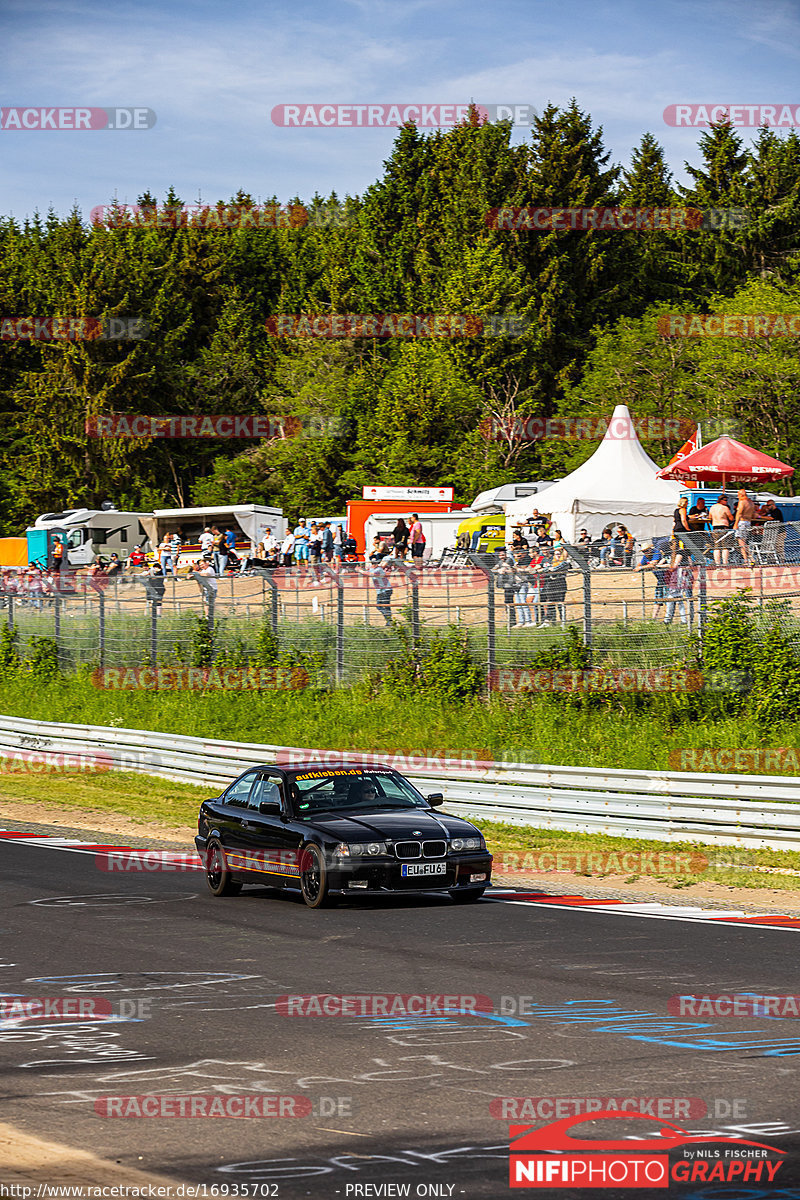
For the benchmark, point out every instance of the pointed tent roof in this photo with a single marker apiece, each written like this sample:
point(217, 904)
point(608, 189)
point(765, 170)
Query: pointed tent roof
point(620, 479)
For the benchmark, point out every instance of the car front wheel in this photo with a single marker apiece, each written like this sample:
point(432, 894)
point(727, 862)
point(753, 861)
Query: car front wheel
point(314, 877)
point(218, 877)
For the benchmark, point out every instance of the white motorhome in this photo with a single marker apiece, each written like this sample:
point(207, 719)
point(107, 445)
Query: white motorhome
point(248, 521)
point(495, 500)
point(440, 529)
point(87, 533)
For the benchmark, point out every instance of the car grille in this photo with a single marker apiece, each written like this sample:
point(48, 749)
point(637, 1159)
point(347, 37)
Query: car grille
point(431, 849)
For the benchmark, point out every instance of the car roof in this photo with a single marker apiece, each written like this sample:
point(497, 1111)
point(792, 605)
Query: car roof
point(303, 768)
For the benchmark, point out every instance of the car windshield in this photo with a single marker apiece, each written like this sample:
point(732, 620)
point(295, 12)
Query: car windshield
point(329, 791)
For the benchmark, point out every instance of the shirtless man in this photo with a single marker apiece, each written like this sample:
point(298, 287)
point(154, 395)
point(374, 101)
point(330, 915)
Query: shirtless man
point(743, 521)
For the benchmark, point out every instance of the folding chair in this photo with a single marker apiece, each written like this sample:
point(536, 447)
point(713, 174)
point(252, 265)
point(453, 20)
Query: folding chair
point(768, 546)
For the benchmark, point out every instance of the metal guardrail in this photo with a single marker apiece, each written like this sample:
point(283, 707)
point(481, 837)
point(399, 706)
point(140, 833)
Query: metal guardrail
point(748, 811)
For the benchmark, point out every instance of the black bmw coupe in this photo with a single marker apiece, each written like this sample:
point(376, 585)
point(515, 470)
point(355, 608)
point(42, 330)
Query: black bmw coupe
point(334, 831)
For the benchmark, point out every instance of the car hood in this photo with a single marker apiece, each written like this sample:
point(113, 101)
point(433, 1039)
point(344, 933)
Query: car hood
point(396, 824)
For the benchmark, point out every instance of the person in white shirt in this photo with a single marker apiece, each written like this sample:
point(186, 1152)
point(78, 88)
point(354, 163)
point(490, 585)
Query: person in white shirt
point(287, 549)
point(206, 540)
point(206, 579)
point(165, 556)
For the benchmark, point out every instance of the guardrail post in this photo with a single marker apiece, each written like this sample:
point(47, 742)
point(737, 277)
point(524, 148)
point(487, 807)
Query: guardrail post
point(101, 629)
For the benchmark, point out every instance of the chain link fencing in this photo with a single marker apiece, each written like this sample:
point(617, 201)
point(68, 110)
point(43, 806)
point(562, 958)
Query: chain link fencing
point(355, 618)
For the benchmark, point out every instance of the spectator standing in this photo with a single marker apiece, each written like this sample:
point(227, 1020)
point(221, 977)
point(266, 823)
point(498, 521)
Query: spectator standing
point(301, 541)
point(721, 520)
point(230, 542)
point(680, 527)
point(115, 566)
point(401, 534)
point(522, 586)
point(338, 543)
point(165, 556)
point(57, 554)
point(177, 542)
point(137, 557)
point(315, 551)
point(327, 542)
point(383, 591)
point(416, 537)
point(743, 523)
point(206, 541)
point(220, 551)
point(287, 548)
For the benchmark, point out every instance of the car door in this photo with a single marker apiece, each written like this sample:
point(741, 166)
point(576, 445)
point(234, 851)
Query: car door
point(228, 813)
point(271, 846)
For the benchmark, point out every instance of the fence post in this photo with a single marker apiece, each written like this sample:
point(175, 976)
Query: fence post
point(153, 632)
point(212, 599)
point(583, 567)
point(58, 627)
point(491, 619)
point(10, 599)
point(101, 629)
point(266, 578)
point(414, 610)
point(339, 630)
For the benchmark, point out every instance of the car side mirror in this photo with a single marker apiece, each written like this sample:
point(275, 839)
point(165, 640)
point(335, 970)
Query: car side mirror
point(270, 808)
point(435, 799)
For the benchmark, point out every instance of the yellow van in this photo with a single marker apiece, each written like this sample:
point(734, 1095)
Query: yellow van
point(484, 534)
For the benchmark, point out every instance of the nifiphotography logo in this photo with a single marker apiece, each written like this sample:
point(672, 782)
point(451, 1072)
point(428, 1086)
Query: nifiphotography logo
point(550, 1157)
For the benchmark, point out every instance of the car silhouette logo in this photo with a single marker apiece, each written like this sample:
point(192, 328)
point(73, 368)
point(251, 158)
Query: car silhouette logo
point(555, 1137)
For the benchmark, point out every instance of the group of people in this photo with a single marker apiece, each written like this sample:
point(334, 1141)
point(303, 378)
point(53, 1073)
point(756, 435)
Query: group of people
point(404, 541)
point(34, 585)
point(698, 528)
point(533, 578)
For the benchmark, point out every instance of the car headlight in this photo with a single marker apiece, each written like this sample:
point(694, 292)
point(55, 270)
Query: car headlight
point(359, 849)
point(469, 843)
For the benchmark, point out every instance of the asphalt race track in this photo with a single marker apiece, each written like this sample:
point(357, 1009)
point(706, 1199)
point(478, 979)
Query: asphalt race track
point(399, 1101)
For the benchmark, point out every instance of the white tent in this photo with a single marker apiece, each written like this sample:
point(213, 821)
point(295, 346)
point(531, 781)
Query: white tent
point(617, 484)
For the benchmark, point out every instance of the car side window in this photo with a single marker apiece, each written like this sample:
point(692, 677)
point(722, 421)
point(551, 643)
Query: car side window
point(266, 789)
point(238, 792)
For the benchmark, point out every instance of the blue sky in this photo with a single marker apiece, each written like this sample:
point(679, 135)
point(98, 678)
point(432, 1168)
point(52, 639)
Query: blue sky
point(213, 72)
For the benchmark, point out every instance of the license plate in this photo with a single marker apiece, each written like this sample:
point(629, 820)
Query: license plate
point(431, 868)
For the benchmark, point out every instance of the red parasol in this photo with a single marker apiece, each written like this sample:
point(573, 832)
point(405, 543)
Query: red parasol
point(726, 459)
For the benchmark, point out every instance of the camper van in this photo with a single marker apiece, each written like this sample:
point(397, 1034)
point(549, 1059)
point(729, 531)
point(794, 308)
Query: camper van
point(85, 534)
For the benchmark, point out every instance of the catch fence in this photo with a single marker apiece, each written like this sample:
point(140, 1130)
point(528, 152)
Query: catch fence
point(355, 618)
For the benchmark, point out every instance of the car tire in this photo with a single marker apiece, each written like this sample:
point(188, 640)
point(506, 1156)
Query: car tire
point(314, 877)
point(467, 895)
point(218, 877)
